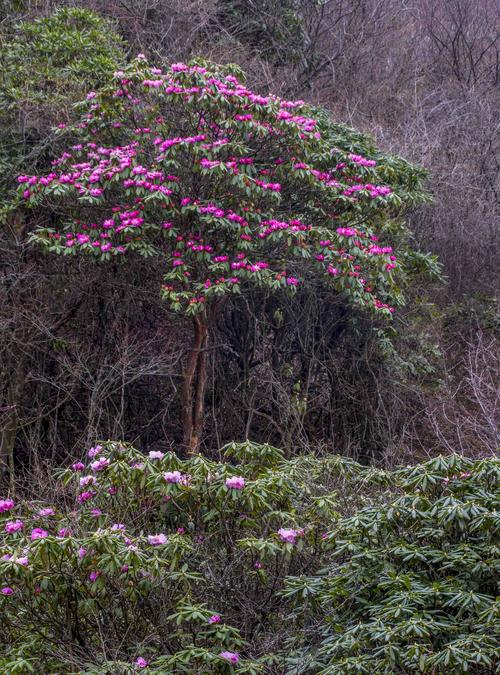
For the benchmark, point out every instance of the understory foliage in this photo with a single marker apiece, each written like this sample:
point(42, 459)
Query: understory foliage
point(254, 563)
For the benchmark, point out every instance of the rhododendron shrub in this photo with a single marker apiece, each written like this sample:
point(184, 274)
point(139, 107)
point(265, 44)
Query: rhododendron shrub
point(252, 564)
point(232, 189)
point(154, 562)
point(412, 583)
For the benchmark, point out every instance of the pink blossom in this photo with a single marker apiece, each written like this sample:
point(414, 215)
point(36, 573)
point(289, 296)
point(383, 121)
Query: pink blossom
point(96, 513)
point(156, 454)
point(100, 464)
point(93, 576)
point(232, 657)
point(84, 497)
point(288, 535)
point(81, 552)
point(43, 513)
point(38, 533)
point(173, 476)
point(6, 505)
point(13, 526)
point(235, 482)
point(215, 618)
point(86, 480)
point(141, 662)
point(93, 452)
point(7, 590)
point(64, 532)
point(157, 539)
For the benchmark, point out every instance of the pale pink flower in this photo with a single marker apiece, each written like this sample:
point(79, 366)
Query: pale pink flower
point(38, 533)
point(232, 657)
point(235, 483)
point(157, 539)
point(93, 452)
point(156, 454)
point(288, 535)
point(100, 464)
point(173, 476)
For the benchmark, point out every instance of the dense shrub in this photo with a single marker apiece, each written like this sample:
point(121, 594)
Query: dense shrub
point(411, 585)
point(182, 566)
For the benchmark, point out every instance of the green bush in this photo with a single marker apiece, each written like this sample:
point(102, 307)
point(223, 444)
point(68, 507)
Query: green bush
point(251, 564)
point(411, 584)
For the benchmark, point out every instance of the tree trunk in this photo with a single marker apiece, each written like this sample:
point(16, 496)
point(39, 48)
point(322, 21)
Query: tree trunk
point(194, 387)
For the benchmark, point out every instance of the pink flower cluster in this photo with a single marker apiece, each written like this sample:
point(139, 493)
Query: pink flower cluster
point(235, 483)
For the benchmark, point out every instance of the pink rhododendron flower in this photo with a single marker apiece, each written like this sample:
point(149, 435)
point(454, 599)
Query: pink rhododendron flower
point(93, 452)
point(7, 590)
point(288, 535)
point(78, 466)
point(43, 513)
point(141, 662)
point(173, 476)
point(100, 464)
point(6, 505)
point(84, 497)
point(96, 513)
point(13, 526)
point(38, 533)
point(64, 532)
point(232, 657)
point(156, 454)
point(157, 539)
point(215, 618)
point(93, 576)
point(81, 552)
point(235, 482)
point(86, 480)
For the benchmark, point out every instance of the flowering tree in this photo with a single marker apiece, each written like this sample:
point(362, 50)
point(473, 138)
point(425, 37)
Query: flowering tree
point(231, 189)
